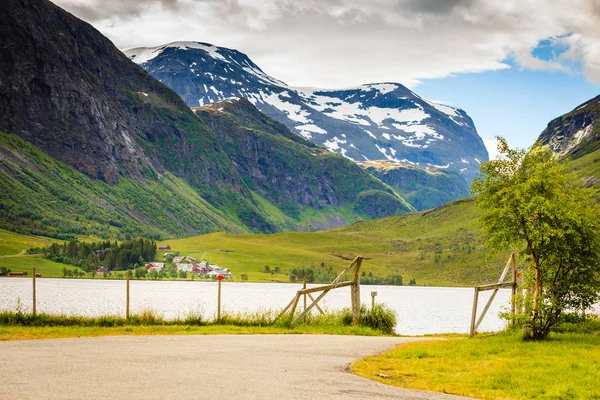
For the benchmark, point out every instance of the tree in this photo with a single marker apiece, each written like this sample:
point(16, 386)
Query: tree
point(528, 201)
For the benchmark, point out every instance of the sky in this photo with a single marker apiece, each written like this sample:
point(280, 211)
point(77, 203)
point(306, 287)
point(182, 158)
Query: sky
point(512, 65)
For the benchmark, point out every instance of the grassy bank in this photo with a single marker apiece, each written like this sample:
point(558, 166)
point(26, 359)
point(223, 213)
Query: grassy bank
point(18, 325)
point(503, 366)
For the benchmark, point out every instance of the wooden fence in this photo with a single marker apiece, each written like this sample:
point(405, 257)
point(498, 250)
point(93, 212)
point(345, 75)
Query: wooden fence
point(354, 284)
point(511, 265)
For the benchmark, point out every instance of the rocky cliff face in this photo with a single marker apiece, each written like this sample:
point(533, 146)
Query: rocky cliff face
point(576, 133)
point(368, 122)
point(288, 170)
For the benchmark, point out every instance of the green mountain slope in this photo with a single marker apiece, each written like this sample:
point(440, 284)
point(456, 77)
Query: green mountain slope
point(294, 174)
point(43, 196)
point(423, 188)
point(69, 91)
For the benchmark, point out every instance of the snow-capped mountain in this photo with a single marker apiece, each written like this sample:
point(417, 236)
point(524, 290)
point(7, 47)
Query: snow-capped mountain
point(367, 122)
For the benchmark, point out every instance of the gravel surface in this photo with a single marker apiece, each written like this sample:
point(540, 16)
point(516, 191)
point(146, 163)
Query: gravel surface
point(196, 367)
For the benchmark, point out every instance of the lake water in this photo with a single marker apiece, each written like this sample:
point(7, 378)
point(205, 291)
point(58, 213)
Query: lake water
point(421, 310)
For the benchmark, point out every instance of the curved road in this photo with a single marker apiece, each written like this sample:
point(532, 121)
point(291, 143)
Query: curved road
point(265, 367)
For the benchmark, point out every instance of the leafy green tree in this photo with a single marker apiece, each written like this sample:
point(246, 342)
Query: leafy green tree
point(529, 202)
point(140, 272)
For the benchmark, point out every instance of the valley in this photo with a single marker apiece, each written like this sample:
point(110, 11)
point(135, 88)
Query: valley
point(270, 177)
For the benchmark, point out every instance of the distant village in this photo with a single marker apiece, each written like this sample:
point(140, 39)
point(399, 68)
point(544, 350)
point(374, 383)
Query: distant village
point(189, 264)
point(185, 264)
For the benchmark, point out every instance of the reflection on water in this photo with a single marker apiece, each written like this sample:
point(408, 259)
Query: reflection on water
point(421, 310)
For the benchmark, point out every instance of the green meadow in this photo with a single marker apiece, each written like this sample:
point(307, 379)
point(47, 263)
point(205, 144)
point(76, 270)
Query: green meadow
point(443, 246)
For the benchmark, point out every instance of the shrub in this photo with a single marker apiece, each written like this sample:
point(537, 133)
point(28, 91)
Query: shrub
point(381, 318)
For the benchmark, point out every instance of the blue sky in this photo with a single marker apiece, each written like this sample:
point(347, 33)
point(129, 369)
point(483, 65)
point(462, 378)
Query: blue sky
point(514, 103)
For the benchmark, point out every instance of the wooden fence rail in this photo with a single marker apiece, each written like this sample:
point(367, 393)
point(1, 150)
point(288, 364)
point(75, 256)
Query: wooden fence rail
point(335, 284)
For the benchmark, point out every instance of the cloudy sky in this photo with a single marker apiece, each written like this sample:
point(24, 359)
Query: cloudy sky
point(511, 64)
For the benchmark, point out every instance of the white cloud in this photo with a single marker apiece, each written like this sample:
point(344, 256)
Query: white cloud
point(491, 146)
point(340, 43)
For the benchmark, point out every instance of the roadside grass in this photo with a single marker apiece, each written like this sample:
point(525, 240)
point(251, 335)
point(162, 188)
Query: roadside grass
point(19, 326)
point(501, 366)
point(53, 332)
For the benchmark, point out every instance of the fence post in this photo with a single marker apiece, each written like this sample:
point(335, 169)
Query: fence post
point(127, 305)
point(474, 314)
point(355, 292)
point(34, 292)
point(373, 294)
point(219, 303)
point(513, 301)
point(304, 287)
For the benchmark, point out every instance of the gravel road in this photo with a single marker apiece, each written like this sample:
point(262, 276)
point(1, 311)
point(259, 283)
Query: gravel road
point(196, 367)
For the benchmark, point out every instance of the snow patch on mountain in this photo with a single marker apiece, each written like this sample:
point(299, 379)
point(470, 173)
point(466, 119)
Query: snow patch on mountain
point(142, 55)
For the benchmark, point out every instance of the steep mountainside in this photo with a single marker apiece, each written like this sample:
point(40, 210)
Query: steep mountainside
point(369, 122)
point(575, 136)
point(423, 188)
point(292, 172)
point(90, 144)
point(576, 133)
point(69, 91)
point(43, 196)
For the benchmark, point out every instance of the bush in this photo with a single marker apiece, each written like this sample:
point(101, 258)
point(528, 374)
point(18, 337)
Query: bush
point(381, 318)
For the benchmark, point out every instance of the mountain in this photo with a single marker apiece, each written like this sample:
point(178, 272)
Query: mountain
point(423, 188)
point(575, 136)
point(368, 122)
point(575, 133)
point(293, 173)
point(90, 144)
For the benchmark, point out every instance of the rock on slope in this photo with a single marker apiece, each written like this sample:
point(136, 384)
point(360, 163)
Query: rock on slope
point(368, 122)
point(575, 136)
point(576, 133)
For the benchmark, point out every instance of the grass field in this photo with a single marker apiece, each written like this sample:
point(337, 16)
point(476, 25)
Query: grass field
point(12, 254)
point(13, 243)
point(47, 268)
point(439, 247)
point(52, 332)
point(567, 366)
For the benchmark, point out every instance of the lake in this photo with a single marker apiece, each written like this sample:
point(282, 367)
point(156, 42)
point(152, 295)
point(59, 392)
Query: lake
point(421, 310)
